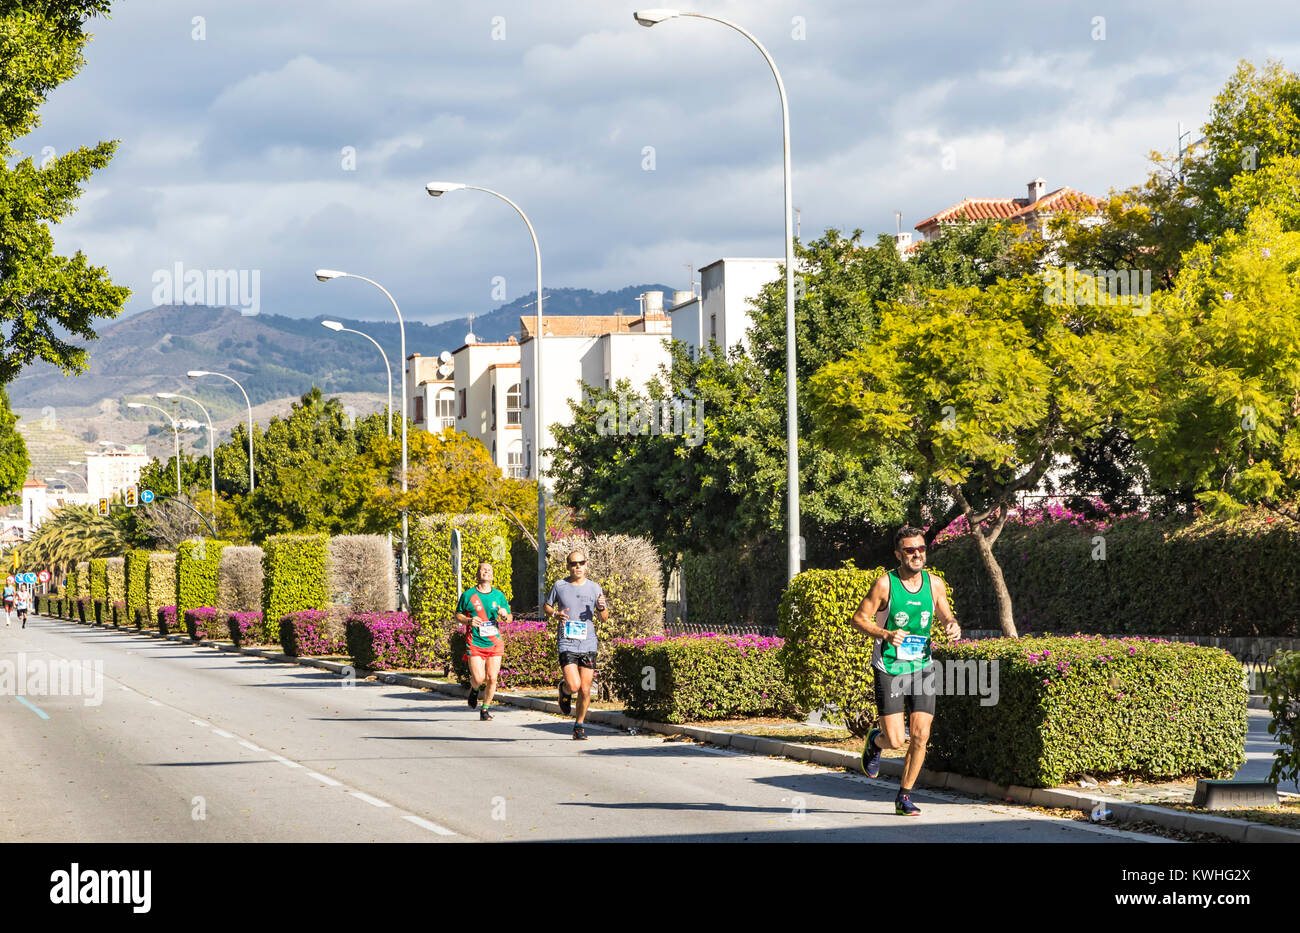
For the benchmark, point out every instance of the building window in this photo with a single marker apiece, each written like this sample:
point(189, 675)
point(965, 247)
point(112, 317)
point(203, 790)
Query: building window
point(445, 412)
point(494, 417)
point(514, 414)
point(462, 403)
point(527, 395)
point(713, 327)
point(515, 461)
point(494, 451)
point(419, 410)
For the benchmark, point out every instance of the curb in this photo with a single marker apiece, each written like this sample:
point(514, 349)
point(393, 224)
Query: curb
point(1233, 830)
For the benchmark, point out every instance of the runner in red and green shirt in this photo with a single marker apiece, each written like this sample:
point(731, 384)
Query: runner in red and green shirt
point(482, 609)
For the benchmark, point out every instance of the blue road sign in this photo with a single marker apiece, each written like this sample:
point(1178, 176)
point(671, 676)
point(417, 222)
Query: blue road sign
point(146, 495)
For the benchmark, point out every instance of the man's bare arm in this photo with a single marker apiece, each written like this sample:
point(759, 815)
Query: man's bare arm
point(865, 618)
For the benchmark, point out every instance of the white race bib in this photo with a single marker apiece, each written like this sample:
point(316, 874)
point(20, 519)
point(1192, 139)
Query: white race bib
point(486, 629)
point(912, 648)
point(575, 629)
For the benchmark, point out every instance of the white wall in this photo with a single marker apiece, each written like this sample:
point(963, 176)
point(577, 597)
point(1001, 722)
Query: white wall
point(726, 287)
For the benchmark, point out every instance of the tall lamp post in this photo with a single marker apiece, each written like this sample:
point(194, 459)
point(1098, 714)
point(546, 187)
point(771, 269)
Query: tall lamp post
point(653, 18)
point(195, 374)
point(324, 275)
point(176, 435)
point(340, 329)
point(212, 446)
point(438, 189)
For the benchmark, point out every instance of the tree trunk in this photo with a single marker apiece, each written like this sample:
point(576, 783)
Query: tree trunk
point(1005, 617)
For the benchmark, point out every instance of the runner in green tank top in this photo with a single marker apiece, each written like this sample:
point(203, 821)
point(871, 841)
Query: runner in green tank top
point(898, 613)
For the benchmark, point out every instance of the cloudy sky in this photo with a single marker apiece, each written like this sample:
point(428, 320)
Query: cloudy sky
point(237, 117)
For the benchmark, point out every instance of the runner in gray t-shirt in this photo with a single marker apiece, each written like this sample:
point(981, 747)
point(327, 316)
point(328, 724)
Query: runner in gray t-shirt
point(577, 603)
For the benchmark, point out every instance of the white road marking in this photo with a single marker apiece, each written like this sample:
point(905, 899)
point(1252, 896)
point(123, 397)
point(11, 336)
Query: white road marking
point(425, 824)
point(255, 748)
point(199, 722)
point(323, 779)
point(154, 703)
point(285, 761)
point(373, 801)
point(222, 732)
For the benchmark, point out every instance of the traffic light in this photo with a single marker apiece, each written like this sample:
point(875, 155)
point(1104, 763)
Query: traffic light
point(132, 497)
point(103, 506)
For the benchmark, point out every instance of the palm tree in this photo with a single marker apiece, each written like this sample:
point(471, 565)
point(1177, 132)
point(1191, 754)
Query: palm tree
point(71, 534)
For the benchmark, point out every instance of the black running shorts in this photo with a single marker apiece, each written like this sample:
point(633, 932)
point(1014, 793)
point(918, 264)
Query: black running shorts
point(894, 693)
point(580, 658)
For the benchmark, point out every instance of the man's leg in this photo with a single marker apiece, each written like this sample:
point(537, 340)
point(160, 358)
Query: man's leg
point(583, 692)
point(493, 669)
point(920, 729)
point(572, 679)
point(476, 672)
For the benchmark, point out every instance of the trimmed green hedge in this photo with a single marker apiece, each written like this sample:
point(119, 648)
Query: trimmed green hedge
point(83, 579)
point(1159, 577)
point(827, 660)
point(739, 585)
point(294, 577)
point(160, 581)
point(1066, 706)
point(115, 573)
point(70, 585)
point(137, 580)
point(434, 589)
point(196, 574)
point(98, 577)
point(695, 678)
point(1284, 704)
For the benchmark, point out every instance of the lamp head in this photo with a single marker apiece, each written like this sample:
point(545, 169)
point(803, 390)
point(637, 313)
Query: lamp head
point(332, 325)
point(195, 373)
point(164, 395)
point(437, 189)
point(324, 275)
point(135, 405)
point(654, 17)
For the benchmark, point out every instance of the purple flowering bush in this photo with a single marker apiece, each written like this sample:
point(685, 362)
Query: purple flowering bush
point(166, 619)
point(119, 612)
point(1095, 704)
point(694, 678)
point(386, 641)
point(85, 609)
point(308, 632)
point(245, 628)
point(530, 659)
point(205, 623)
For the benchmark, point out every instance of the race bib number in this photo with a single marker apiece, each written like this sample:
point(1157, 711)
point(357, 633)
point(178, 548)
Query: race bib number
point(488, 629)
point(575, 629)
point(912, 648)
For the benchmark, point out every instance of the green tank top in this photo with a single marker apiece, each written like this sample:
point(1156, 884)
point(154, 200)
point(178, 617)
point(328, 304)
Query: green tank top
point(912, 613)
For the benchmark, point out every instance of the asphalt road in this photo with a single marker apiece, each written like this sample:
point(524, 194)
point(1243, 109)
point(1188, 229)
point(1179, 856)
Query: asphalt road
point(193, 744)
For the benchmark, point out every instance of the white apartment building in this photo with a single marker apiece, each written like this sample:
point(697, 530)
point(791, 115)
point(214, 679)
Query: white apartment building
point(110, 472)
point(431, 398)
point(597, 350)
point(721, 312)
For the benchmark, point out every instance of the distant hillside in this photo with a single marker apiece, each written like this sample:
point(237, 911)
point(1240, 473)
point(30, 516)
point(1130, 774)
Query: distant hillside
point(276, 358)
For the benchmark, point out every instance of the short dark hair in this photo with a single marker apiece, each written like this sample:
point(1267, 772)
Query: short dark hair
point(907, 531)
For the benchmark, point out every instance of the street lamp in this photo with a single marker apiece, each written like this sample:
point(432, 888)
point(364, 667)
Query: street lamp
point(212, 446)
point(652, 18)
point(340, 329)
point(437, 189)
point(195, 374)
point(324, 275)
point(176, 436)
point(77, 475)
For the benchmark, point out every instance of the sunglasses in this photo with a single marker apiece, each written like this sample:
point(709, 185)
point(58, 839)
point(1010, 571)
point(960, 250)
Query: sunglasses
point(576, 563)
point(914, 550)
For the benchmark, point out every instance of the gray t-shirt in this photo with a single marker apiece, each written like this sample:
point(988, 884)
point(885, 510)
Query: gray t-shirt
point(578, 634)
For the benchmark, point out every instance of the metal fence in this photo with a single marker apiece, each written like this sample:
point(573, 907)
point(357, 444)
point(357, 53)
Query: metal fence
point(687, 628)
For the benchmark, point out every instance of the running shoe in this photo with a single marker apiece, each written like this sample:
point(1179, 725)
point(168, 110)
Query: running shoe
point(472, 700)
point(484, 715)
point(903, 805)
point(580, 733)
point(566, 701)
point(871, 755)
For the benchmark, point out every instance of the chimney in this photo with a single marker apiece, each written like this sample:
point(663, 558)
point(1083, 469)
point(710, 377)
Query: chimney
point(1036, 189)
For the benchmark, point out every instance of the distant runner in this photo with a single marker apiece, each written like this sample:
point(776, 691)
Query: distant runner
point(22, 603)
point(482, 609)
point(577, 602)
point(897, 613)
point(9, 594)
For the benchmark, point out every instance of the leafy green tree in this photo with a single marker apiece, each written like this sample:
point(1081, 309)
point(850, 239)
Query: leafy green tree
point(978, 389)
point(13, 454)
point(44, 296)
point(1212, 394)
